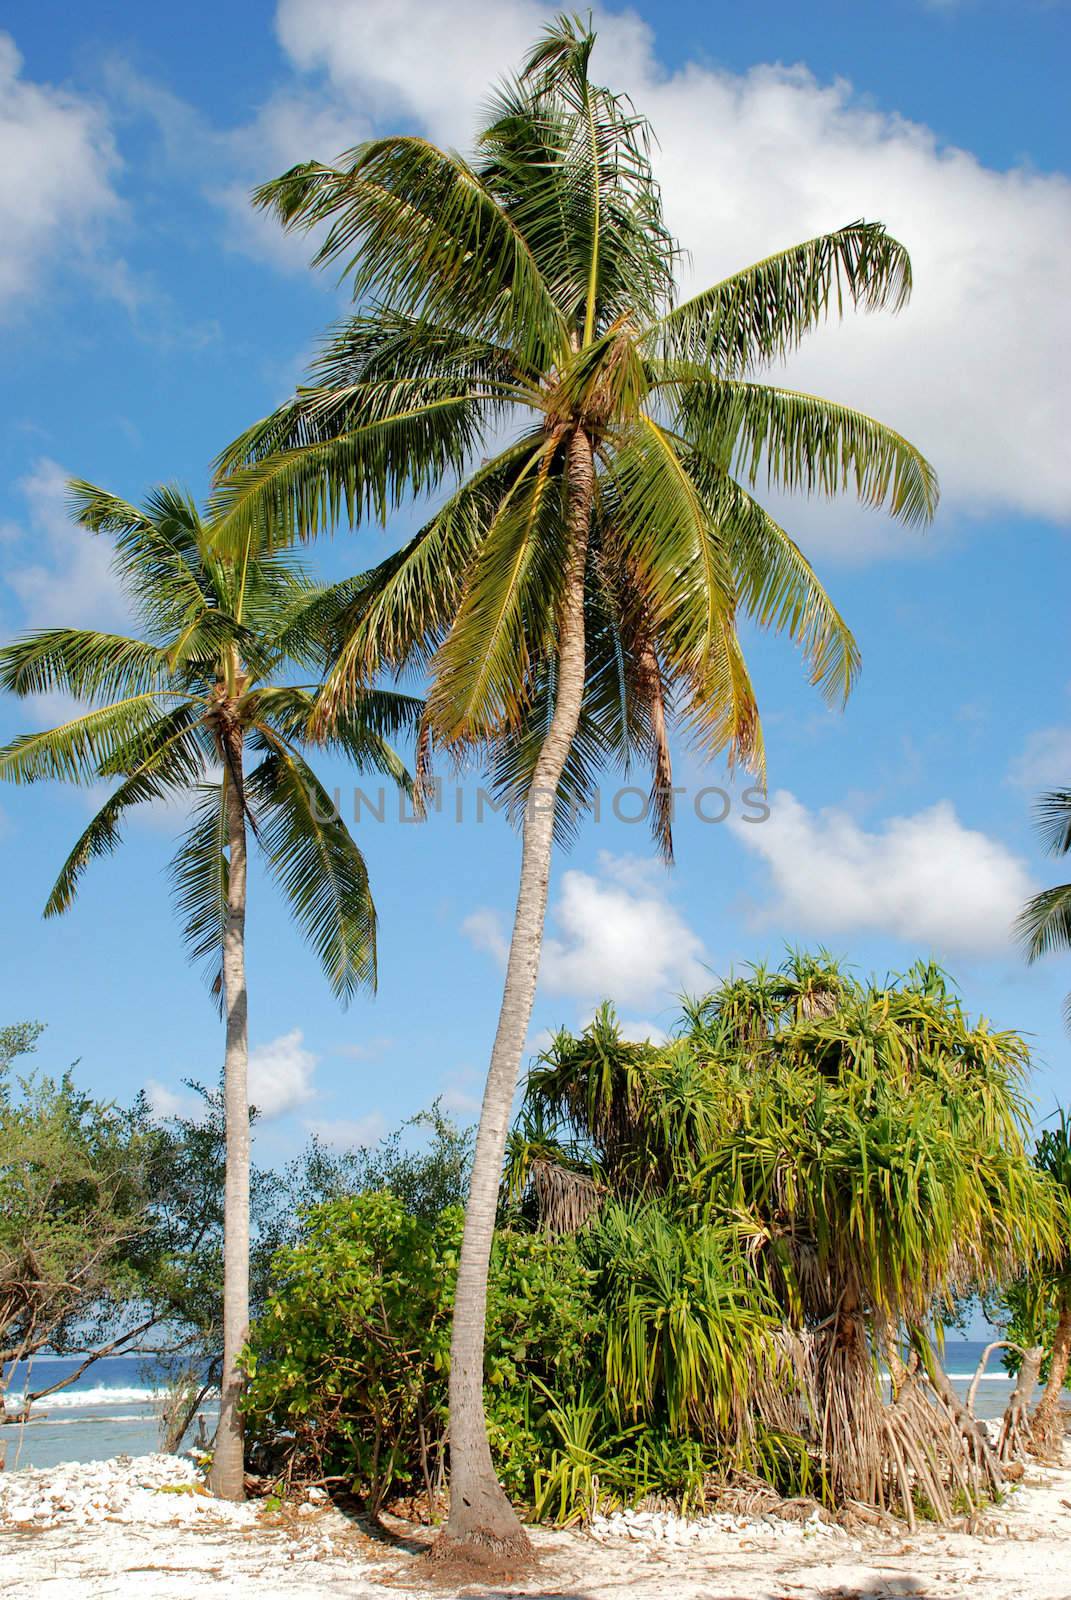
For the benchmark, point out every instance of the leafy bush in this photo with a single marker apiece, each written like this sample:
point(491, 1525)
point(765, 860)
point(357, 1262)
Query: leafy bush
point(348, 1364)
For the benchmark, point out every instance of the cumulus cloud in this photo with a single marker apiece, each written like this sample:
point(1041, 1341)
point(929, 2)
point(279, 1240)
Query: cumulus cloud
point(755, 161)
point(642, 1032)
point(926, 878)
point(280, 1075)
point(1044, 761)
point(60, 574)
point(57, 162)
point(618, 936)
point(613, 935)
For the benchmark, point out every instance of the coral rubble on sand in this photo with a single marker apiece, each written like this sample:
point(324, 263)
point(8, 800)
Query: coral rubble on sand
point(142, 1489)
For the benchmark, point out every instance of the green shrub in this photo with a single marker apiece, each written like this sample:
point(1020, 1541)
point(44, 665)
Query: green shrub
point(348, 1364)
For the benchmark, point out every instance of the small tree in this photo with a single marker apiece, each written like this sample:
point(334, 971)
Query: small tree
point(73, 1202)
point(1040, 1301)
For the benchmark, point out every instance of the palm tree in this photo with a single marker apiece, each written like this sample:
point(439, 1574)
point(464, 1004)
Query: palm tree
point(578, 592)
point(180, 707)
point(1045, 921)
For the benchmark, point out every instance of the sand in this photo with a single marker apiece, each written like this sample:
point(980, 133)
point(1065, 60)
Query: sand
point(140, 1529)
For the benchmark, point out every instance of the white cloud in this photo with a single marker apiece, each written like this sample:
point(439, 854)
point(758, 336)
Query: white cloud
point(610, 937)
point(925, 878)
point(57, 160)
point(618, 937)
point(1045, 760)
point(165, 1102)
point(484, 929)
point(642, 1032)
point(753, 162)
point(353, 1133)
point(280, 1075)
point(69, 579)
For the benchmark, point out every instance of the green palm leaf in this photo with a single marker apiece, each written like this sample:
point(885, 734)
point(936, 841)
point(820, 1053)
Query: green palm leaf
point(316, 863)
point(760, 314)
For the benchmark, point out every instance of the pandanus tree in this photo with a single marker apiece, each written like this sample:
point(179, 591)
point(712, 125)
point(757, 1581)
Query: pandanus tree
point(868, 1151)
point(577, 593)
point(206, 708)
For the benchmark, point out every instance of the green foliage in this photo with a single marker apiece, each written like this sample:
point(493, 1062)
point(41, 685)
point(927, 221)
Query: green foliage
point(597, 1348)
point(352, 1350)
point(1033, 1302)
point(178, 713)
point(426, 1173)
point(73, 1204)
point(1044, 923)
point(528, 295)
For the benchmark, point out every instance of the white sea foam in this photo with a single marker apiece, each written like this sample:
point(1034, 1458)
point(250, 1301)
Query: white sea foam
point(99, 1395)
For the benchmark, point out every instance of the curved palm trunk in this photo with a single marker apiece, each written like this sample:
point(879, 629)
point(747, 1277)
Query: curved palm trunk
point(480, 1514)
point(1046, 1427)
point(228, 1460)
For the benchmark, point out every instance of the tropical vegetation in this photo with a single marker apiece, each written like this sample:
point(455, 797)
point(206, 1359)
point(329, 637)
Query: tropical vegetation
point(173, 717)
point(1045, 921)
point(576, 596)
point(716, 1239)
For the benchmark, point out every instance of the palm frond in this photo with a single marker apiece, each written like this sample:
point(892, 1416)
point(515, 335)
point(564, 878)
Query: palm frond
point(83, 749)
point(481, 672)
point(1044, 924)
point(76, 661)
point(157, 549)
point(776, 584)
point(661, 526)
point(199, 878)
point(418, 227)
point(1052, 815)
point(760, 314)
point(316, 863)
point(803, 442)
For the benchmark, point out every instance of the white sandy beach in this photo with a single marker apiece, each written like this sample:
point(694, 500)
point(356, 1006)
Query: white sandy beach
point(140, 1529)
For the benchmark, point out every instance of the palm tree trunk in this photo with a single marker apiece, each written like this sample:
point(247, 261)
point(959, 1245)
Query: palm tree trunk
point(480, 1513)
point(1046, 1431)
point(228, 1476)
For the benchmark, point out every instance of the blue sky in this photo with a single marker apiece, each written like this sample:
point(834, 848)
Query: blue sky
point(147, 316)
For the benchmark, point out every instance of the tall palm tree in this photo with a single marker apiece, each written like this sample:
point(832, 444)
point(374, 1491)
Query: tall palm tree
point(180, 708)
point(1045, 921)
point(578, 592)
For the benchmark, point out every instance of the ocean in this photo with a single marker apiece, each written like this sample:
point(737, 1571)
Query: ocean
point(114, 1407)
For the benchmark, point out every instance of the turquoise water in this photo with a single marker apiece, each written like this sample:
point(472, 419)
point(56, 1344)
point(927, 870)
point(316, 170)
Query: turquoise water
point(114, 1407)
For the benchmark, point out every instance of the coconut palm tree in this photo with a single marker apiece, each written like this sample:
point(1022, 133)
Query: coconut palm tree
point(577, 594)
point(211, 681)
point(1045, 921)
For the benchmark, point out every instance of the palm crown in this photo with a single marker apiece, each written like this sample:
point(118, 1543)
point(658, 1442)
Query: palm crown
point(508, 308)
point(181, 708)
